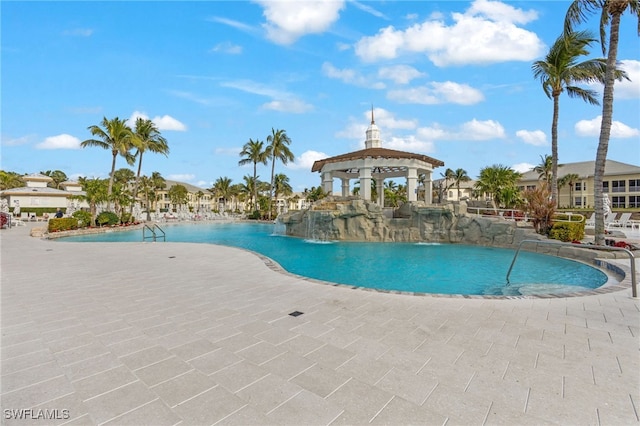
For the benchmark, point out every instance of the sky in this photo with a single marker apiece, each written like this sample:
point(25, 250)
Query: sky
point(449, 79)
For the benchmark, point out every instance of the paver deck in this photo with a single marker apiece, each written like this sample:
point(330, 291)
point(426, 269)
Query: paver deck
point(195, 334)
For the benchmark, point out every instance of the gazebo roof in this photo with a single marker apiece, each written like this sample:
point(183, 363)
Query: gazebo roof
point(375, 153)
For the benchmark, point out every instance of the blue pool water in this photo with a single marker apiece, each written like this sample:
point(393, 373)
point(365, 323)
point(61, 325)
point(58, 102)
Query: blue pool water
point(411, 267)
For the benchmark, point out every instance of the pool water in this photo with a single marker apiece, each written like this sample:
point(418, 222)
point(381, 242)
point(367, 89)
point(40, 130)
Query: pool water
point(408, 267)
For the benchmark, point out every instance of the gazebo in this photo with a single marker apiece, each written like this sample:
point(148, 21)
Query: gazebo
point(377, 163)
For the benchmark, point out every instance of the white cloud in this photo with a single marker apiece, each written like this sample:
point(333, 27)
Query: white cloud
point(591, 128)
point(400, 74)
point(165, 122)
point(486, 33)
point(168, 123)
point(295, 106)
point(62, 141)
point(628, 89)
point(473, 130)
point(438, 93)
point(288, 20)
point(522, 167)
point(185, 177)
point(227, 47)
point(16, 141)
point(482, 130)
point(306, 160)
point(350, 76)
point(535, 137)
point(410, 144)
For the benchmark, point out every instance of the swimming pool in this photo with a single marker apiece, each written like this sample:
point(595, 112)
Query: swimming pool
point(407, 267)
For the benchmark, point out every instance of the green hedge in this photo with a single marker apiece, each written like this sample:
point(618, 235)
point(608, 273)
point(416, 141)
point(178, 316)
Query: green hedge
point(62, 224)
point(84, 218)
point(108, 218)
point(39, 211)
point(567, 231)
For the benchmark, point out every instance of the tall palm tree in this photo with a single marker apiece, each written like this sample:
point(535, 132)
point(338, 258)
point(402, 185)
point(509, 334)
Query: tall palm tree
point(610, 14)
point(146, 137)
point(199, 196)
point(116, 136)
point(159, 184)
point(147, 188)
point(559, 72)
point(278, 149)
point(460, 176)
point(545, 168)
point(95, 192)
point(254, 152)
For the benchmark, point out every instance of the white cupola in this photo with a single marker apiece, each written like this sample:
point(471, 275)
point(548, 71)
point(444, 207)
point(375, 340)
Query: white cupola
point(373, 134)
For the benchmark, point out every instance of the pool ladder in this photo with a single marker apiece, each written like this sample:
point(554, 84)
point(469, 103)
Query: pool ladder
point(634, 282)
point(155, 233)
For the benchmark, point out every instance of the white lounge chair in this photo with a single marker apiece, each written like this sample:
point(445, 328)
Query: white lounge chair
point(591, 221)
point(621, 222)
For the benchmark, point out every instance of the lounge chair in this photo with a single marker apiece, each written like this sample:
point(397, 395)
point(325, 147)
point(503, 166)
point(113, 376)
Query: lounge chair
point(591, 221)
point(622, 222)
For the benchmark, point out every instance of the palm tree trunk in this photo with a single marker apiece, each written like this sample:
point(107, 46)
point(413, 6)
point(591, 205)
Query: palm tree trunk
point(273, 168)
point(113, 171)
point(605, 128)
point(255, 187)
point(135, 188)
point(554, 150)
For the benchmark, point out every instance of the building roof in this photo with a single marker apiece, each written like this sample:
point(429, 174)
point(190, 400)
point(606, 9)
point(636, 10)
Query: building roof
point(36, 177)
point(375, 153)
point(191, 188)
point(586, 169)
point(34, 191)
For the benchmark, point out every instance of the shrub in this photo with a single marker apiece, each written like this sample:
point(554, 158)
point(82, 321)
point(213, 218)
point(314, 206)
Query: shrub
point(62, 224)
point(540, 209)
point(107, 218)
point(567, 231)
point(84, 218)
point(125, 217)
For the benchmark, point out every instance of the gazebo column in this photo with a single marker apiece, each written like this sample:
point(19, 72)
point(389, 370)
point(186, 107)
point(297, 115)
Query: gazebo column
point(412, 184)
point(327, 183)
point(380, 189)
point(365, 183)
point(428, 188)
point(345, 187)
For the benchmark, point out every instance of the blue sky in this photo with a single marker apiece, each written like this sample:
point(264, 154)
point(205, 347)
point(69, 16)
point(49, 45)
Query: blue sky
point(448, 79)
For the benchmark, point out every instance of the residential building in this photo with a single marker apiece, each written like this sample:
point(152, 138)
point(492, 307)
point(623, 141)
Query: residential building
point(37, 195)
point(621, 182)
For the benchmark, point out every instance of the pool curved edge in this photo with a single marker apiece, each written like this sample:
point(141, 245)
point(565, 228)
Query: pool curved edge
point(613, 271)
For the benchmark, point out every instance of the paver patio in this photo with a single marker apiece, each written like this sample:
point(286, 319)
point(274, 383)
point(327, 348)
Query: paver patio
point(196, 334)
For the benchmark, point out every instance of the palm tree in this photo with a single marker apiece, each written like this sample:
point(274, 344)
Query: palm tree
point(545, 168)
point(497, 180)
point(199, 196)
point(58, 177)
point(222, 189)
point(281, 186)
point(254, 152)
point(278, 149)
point(610, 14)
point(146, 186)
point(158, 184)
point(116, 136)
point(146, 137)
point(559, 72)
point(95, 192)
point(459, 176)
point(569, 179)
point(178, 195)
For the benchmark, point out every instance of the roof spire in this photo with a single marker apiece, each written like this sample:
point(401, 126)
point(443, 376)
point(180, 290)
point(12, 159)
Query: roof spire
point(372, 120)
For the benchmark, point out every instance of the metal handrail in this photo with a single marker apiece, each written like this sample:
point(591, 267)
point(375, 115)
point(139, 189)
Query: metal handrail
point(153, 236)
point(634, 282)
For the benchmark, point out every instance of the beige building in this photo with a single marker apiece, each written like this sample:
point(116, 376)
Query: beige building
point(621, 183)
point(37, 195)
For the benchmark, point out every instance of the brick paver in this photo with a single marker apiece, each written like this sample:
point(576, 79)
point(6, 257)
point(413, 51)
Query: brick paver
point(168, 333)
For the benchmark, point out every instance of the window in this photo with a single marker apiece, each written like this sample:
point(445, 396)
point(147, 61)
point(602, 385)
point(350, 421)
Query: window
point(634, 202)
point(618, 202)
point(450, 194)
point(605, 186)
point(578, 186)
point(578, 201)
point(634, 185)
point(531, 187)
point(618, 186)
